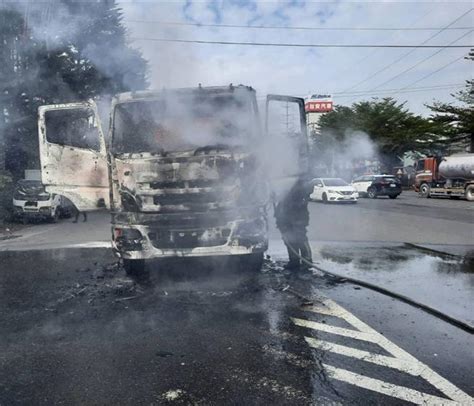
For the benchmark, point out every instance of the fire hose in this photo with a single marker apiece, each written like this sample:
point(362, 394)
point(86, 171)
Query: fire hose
point(428, 309)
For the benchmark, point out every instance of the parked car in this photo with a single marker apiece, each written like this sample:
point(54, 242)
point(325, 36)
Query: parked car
point(333, 190)
point(30, 200)
point(377, 185)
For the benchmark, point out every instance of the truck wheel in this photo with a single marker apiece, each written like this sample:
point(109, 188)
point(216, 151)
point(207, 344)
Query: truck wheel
point(393, 196)
point(425, 190)
point(371, 193)
point(325, 198)
point(470, 193)
point(134, 267)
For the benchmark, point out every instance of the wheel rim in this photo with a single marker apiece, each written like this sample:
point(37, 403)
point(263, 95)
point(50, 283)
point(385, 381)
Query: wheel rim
point(470, 194)
point(424, 190)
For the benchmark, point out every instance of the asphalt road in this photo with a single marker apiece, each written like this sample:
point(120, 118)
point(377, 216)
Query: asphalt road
point(406, 219)
point(75, 330)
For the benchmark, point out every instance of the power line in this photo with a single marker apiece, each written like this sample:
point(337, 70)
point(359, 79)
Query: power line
point(424, 88)
point(297, 45)
point(395, 93)
point(275, 27)
point(436, 71)
point(374, 51)
point(383, 69)
point(420, 62)
point(392, 91)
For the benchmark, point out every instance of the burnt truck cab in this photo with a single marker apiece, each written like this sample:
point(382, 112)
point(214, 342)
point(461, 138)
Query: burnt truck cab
point(185, 177)
point(182, 173)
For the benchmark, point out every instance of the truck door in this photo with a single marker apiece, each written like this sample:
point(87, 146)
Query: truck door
point(286, 142)
point(73, 154)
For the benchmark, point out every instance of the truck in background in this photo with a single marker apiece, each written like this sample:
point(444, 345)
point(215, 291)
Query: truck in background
point(32, 201)
point(451, 176)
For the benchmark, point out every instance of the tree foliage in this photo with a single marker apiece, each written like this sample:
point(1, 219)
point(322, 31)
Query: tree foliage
point(60, 52)
point(390, 126)
point(457, 118)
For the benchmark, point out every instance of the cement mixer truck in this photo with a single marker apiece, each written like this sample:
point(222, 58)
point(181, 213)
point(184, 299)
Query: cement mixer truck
point(450, 176)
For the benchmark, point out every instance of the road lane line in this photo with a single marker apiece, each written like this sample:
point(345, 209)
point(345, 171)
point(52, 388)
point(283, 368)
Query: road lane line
point(329, 307)
point(51, 246)
point(389, 389)
point(333, 330)
point(390, 362)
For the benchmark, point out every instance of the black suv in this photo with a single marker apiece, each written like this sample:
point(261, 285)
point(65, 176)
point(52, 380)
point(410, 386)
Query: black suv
point(377, 185)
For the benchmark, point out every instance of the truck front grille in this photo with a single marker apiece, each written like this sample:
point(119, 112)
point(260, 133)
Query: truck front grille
point(171, 239)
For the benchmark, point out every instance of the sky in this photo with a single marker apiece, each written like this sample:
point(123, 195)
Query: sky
point(303, 71)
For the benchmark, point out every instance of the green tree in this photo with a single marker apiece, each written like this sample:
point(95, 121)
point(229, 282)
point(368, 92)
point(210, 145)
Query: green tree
point(457, 119)
point(70, 52)
point(390, 125)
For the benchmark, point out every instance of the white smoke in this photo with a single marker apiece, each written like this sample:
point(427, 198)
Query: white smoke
point(354, 155)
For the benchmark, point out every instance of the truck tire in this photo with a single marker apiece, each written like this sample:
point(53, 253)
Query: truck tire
point(325, 198)
point(134, 267)
point(393, 196)
point(470, 193)
point(425, 190)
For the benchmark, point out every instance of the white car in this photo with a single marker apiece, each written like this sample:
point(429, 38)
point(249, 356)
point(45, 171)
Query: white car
point(333, 190)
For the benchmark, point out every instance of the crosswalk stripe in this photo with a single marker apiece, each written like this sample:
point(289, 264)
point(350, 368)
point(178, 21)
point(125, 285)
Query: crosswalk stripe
point(390, 362)
point(395, 391)
point(365, 332)
point(333, 330)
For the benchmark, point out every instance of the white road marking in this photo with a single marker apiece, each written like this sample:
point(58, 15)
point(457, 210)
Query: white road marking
point(333, 330)
point(58, 245)
point(390, 362)
point(401, 359)
point(395, 391)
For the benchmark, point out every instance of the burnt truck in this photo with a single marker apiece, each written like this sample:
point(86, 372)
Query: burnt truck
point(184, 172)
point(451, 176)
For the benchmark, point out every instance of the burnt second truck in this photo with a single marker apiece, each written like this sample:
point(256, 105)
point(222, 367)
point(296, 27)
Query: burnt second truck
point(182, 170)
point(450, 176)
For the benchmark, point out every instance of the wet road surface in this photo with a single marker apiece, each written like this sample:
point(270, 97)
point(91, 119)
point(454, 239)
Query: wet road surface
point(407, 219)
point(76, 330)
point(443, 282)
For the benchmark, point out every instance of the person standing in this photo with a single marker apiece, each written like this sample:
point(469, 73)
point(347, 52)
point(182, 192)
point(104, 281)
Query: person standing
point(292, 219)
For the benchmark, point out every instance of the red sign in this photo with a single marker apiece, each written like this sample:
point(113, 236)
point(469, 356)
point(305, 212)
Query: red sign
point(315, 106)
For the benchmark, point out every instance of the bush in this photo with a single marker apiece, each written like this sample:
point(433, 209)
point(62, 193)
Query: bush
point(6, 192)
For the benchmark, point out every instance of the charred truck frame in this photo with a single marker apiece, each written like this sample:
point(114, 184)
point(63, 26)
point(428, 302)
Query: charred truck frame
point(182, 171)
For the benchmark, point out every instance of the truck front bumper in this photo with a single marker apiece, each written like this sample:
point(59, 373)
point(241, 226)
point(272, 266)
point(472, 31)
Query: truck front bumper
point(238, 237)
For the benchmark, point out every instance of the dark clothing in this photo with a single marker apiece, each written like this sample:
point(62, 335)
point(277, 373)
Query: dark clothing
point(292, 218)
point(77, 212)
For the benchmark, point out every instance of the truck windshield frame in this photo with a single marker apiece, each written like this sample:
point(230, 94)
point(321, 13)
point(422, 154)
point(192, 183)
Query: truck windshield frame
point(182, 122)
